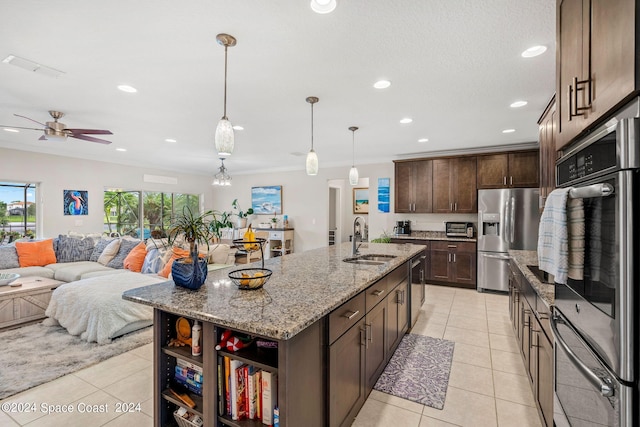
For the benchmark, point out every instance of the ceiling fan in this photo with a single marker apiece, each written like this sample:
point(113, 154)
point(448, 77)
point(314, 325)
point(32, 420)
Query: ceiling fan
point(58, 131)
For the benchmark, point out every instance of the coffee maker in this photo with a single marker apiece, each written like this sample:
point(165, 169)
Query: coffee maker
point(402, 228)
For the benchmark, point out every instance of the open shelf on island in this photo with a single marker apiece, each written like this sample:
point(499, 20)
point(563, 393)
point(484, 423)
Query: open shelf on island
point(166, 394)
point(183, 353)
point(239, 423)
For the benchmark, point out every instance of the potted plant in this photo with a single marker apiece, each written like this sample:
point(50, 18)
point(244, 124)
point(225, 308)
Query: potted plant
point(220, 221)
point(242, 215)
point(191, 271)
point(274, 221)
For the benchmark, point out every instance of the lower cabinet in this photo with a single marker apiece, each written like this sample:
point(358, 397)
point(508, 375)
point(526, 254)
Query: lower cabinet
point(359, 356)
point(453, 262)
point(529, 315)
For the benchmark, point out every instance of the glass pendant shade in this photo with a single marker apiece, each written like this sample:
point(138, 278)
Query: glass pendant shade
point(224, 138)
point(222, 177)
point(353, 176)
point(312, 163)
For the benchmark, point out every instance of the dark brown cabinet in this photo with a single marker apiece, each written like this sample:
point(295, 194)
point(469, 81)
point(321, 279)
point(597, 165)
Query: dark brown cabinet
point(454, 185)
point(507, 170)
point(596, 61)
point(530, 319)
point(453, 262)
point(398, 316)
point(376, 345)
point(547, 127)
point(413, 187)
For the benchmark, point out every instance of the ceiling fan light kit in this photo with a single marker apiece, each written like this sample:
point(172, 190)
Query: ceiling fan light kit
point(222, 178)
point(312, 157)
point(224, 137)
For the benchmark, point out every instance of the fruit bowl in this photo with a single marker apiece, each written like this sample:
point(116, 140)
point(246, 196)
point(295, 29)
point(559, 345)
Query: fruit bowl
point(6, 278)
point(250, 278)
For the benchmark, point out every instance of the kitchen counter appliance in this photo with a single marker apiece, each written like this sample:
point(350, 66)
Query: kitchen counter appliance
point(595, 318)
point(459, 229)
point(507, 219)
point(402, 228)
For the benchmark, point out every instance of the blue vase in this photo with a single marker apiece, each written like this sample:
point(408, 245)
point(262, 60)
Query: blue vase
point(189, 275)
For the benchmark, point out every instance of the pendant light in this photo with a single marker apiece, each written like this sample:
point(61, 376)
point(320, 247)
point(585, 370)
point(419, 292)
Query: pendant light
point(353, 173)
point(222, 177)
point(224, 131)
point(312, 157)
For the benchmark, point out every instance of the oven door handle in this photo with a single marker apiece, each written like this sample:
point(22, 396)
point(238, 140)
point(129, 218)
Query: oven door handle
point(602, 384)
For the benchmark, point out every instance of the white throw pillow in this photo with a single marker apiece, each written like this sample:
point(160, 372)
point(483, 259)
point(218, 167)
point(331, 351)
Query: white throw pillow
point(109, 252)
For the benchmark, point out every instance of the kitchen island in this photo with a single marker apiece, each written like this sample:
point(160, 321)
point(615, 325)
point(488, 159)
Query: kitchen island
point(335, 324)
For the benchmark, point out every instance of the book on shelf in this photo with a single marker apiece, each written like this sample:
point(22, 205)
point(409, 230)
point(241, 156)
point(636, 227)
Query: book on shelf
point(252, 394)
point(241, 392)
point(233, 380)
point(258, 385)
point(227, 384)
point(190, 385)
point(186, 364)
point(189, 373)
point(221, 397)
point(269, 396)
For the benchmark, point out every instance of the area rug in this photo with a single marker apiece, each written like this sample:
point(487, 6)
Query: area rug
point(36, 354)
point(419, 370)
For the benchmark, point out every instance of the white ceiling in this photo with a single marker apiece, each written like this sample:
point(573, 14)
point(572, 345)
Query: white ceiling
point(455, 67)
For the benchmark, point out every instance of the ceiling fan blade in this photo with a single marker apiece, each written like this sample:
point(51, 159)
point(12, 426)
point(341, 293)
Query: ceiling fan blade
point(89, 131)
point(19, 127)
point(25, 117)
point(90, 138)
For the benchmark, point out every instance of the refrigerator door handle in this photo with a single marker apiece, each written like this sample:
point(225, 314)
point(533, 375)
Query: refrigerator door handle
point(505, 219)
point(512, 220)
point(500, 257)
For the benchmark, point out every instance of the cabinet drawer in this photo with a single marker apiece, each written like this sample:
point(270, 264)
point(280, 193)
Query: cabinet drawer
point(453, 245)
point(276, 235)
point(345, 316)
point(376, 293)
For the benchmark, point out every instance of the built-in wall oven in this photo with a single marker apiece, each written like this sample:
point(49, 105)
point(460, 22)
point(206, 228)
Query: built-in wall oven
point(595, 320)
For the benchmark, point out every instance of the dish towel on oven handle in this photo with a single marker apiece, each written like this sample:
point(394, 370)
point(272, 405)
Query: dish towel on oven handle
point(561, 237)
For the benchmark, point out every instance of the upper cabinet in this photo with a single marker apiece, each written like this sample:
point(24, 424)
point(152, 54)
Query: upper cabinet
point(413, 190)
point(454, 185)
point(596, 62)
point(506, 170)
point(547, 126)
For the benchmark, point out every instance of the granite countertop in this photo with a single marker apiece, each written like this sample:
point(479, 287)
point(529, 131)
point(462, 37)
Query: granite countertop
point(303, 288)
point(546, 291)
point(432, 235)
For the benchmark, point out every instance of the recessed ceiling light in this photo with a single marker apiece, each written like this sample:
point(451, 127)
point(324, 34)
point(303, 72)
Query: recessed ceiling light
point(11, 130)
point(423, 140)
point(236, 127)
point(406, 120)
point(121, 149)
point(534, 51)
point(170, 140)
point(127, 88)
point(508, 131)
point(518, 104)
point(382, 84)
point(323, 6)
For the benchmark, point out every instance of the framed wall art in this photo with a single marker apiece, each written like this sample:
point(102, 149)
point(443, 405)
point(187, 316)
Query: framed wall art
point(75, 202)
point(360, 200)
point(267, 200)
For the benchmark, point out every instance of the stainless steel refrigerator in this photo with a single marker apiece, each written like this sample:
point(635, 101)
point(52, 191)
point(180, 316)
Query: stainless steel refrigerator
point(507, 219)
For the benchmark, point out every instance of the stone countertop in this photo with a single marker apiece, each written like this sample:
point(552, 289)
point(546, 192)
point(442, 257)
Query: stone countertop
point(303, 288)
point(546, 291)
point(432, 235)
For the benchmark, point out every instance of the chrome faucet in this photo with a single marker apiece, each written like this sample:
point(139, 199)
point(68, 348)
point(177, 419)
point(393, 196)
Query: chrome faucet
point(358, 221)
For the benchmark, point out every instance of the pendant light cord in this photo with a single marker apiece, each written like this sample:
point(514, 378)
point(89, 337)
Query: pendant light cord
point(225, 83)
point(353, 144)
point(312, 126)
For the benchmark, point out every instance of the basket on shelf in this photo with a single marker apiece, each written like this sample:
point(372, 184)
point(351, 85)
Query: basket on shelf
point(183, 422)
point(250, 278)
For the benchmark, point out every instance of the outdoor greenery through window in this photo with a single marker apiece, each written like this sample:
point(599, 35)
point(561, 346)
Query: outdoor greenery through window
point(17, 211)
point(125, 215)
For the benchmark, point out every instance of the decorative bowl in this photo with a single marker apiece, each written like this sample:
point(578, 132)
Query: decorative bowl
point(6, 278)
point(250, 278)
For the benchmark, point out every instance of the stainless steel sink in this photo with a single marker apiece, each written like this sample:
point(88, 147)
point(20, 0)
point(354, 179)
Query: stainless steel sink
point(370, 259)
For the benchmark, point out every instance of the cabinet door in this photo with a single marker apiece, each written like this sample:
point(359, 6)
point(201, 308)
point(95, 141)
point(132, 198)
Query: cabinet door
point(403, 310)
point(492, 171)
point(347, 376)
point(398, 316)
point(612, 53)
point(423, 187)
point(547, 140)
point(525, 336)
point(376, 343)
point(572, 60)
point(442, 186)
point(403, 187)
point(440, 265)
point(523, 169)
point(464, 267)
point(544, 391)
point(465, 194)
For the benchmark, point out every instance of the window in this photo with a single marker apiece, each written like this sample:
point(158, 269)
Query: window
point(17, 210)
point(124, 214)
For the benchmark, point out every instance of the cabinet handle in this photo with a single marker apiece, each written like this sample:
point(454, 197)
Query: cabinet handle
point(510, 180)
point(378, 292)
point(452, 246)
point(403, 296)
point(363, 341)
point(455, 206)
point(569, 97)
point(368, 334)
point(454, 257)
point(504, 180)
point(579, 85)
point(450, 206)
point(449, 257)
point(352, 315)
point(422, 276)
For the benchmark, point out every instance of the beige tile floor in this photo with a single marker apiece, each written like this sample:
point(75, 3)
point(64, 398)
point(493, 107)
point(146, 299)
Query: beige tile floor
point(487, 385)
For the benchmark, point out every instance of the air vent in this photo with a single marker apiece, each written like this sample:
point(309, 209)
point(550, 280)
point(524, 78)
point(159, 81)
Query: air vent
point(34, 67)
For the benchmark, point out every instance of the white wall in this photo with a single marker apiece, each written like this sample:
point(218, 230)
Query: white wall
point(53, 174)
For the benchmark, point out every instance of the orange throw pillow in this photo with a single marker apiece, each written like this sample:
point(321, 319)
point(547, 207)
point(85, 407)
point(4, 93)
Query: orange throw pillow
point(36, 254)
point(135, 259)
point(177, 253)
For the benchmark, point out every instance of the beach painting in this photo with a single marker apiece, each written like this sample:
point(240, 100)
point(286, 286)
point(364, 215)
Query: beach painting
point(360, 200)
point(267, 200)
